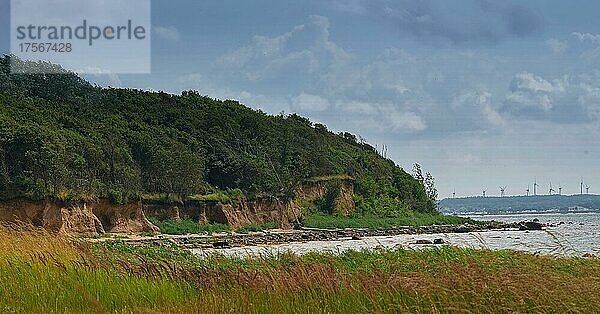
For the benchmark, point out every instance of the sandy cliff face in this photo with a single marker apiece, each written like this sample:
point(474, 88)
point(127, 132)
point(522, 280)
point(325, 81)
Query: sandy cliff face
point(261, 211)
point(268, 210)
point(128, 218)
point(76, 218)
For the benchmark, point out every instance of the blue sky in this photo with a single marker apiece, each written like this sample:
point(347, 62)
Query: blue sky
point(482, 93)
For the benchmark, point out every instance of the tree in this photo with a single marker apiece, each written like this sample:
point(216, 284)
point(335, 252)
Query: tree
point(430, 189)
point(417, 173)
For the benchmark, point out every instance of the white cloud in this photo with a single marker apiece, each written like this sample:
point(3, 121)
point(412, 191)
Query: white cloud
point(167, 32)
point(308, 102)
point(357, 107)
point(587, 37)
point(475, 110)
point(556, 46)
point(400, 120)
point(305, 50)
point(569, 99)
point(384, 117)
point(530, 82)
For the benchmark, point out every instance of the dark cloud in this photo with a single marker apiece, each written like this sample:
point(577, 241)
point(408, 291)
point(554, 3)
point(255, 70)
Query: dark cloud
point(475, 22)
point(521, 21)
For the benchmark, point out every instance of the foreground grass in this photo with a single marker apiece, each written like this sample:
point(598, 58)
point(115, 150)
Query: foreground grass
point(373, 222)
point(41, 274)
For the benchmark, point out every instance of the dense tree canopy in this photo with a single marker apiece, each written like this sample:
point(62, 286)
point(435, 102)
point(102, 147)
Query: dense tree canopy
point(62, 137)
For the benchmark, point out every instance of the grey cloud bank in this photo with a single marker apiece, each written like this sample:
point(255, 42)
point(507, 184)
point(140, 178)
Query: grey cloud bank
point(481, 93)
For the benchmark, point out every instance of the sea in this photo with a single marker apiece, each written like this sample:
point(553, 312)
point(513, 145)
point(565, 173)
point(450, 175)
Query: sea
point(568, 234)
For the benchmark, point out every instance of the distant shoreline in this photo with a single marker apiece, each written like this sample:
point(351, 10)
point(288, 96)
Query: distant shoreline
point(532, 212)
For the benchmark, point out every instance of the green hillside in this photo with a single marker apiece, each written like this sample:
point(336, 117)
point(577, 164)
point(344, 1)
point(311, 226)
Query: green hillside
point(61, 137)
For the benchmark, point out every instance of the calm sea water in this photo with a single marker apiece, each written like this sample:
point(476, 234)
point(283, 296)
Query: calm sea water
point(574, 234)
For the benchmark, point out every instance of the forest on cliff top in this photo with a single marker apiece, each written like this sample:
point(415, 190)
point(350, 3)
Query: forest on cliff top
point(62, 137)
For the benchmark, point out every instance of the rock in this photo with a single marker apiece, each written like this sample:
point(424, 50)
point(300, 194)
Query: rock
point(464, 229)
point(438, 241)
point(588, 255)
point(422, 241)
point(221, 244)
point(355, 237)
point(530, 225)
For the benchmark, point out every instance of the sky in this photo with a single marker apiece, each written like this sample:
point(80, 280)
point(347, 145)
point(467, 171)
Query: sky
point(481, 93)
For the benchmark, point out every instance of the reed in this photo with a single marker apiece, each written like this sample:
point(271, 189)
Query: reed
point(46, 273)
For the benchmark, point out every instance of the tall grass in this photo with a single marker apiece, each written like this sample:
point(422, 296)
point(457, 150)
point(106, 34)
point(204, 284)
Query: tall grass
point(41, 274)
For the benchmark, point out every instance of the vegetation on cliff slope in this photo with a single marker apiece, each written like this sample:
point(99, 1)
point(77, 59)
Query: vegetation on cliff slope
point(62, 137)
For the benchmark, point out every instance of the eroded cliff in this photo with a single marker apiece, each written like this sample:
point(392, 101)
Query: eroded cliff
point(76, 217)
point(235, 214)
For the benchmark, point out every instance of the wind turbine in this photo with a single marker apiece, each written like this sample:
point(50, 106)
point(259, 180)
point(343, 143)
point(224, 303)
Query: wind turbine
point(484, 193)
point(535, 185)
point(527, 190)
point(587, 189)
point(454, 193)
point(502, 189)
point(551, 189)
point(560, 189)
point(581, 186)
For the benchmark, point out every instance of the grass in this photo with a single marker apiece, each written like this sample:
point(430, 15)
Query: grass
point(187, 227)
point(45, 274)
point(214, 197)
point(373, 222)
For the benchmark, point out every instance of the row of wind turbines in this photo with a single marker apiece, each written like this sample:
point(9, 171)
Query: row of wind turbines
point(551, 190)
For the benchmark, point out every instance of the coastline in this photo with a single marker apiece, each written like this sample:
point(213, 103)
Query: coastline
point(303, 235)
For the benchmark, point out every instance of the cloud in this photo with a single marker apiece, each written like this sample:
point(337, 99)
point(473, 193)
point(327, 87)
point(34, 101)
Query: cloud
point(520, 20)
point(104, 78)
point(167, 32)
point(479, 21)
point(473, 110)
point(569, 99)
point(403, 120)
point(349, 6)
point(587, 37)
point(528, 82)
point(305, 50)
point(556, 46)
point(308, 102)
point(384, 117)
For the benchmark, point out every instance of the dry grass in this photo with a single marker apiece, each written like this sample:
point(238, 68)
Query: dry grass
point(43, 273)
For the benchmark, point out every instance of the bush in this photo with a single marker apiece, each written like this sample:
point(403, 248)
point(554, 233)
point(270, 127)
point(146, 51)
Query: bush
point(187, 227)
point(116, 197)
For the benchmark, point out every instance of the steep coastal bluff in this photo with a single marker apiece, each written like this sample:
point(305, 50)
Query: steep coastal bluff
point(98, 217)
point(76, 157)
